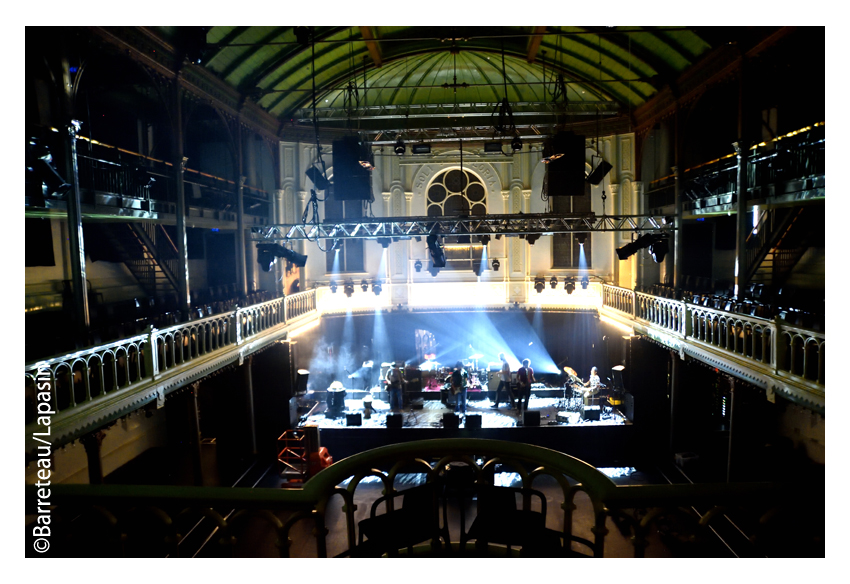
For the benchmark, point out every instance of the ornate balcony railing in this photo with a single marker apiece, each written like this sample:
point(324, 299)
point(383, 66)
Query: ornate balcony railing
point(323, 518)
point(111, 376)
point(772, 346)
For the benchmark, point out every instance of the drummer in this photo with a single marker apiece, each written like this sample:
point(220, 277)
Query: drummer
point(593, 382)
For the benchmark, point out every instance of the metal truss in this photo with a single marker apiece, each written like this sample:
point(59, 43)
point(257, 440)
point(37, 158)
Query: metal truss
point(480, 225)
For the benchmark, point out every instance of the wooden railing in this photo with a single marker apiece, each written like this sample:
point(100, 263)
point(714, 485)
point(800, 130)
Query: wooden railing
point(321, 518)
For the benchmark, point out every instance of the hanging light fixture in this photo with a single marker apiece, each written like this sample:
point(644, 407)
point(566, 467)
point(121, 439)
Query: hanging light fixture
point(553, 283)
point(570, 285)
point(400, 148)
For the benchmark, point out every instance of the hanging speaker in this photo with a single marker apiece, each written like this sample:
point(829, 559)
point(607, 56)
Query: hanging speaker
point(565, 170)
point(598, 173)
point(351, 181)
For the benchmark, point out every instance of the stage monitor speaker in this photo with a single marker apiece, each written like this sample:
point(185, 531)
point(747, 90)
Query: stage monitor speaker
point(451, 421)
point(354, 419)
point(598, 173)
point(566, 173)
point(473, 422)
point(351, 181)
point(395, 421)
point(531, 418)
point(301, 381)
point(591, 413)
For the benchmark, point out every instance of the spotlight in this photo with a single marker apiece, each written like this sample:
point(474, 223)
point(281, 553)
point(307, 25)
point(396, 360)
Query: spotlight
point(385, 242)
point(492, 147)
point(438, 254)
point(553, 283)
point(376, 288)
point(658, 250)
point(585, 281)
point(348, 288)
point(532, 238)
point(570, 285)
point(267, 254)
point(581, 238)
point(484, 239)
point(364, 285)
point(315, 175)
point(399, 147)
point(417, 266)
point(421, 149)
point(496, 265)
point(640, 243)
point(516, 144)
point(539, 284)
point(333, 287)
point(337, 245)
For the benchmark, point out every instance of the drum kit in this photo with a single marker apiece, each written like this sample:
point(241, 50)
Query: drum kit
point(576, 393)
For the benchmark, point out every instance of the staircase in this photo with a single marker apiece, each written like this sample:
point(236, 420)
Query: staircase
point(777, 246)
point(148, 252)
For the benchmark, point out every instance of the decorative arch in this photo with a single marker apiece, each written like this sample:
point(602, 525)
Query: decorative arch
point(484, 170)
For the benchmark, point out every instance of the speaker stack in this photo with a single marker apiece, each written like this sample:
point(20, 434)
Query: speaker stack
point(351, 181)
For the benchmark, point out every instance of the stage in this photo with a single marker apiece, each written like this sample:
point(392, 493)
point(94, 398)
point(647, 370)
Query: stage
point(601, 434)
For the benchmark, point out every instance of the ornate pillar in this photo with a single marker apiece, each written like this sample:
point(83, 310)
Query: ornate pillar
point(183, 299)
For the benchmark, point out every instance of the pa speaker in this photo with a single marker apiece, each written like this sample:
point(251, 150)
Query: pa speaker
point(473, 422)
point(451, 421)
point(352, 182)
point(531, 418)
point(354, 419)
point(598, 173)
point(394, 420)
point(566, 173)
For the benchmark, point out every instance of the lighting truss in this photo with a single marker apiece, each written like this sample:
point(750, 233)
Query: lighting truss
point(496, 225)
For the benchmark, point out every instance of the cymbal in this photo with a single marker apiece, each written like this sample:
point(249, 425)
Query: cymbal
point(476, 356)
point(571, 371)
point(386, 364)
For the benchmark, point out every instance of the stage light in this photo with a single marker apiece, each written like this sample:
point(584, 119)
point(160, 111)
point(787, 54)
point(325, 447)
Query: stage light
point(484, 239)
point(496, 265)
point(400, 147)
point(539, 284)
point(658, 250)
point(516, 143)
point(417, 266)
point(570, 285)
point(348, 288)
point(333, 287)
point(385, 242)
point(421, 149)
point(553, 283)
point(364, 285)
point(376, 288)
point(640, 243)
point(532, 238)
point(438, 254)
point(315, 175)
point(584, 283)
point(581, 238)
point(267, 254)
point(337, 245)
point(493, 147)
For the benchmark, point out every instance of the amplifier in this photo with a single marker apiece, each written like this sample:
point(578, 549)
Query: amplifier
point(451, 421)
point(493, 381)
point(473, 422)
point(591, 413)
point(395, 420)
point(354, 419)
point(531, 418)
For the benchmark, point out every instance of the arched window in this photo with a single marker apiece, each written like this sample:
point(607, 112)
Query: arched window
point(459, 192)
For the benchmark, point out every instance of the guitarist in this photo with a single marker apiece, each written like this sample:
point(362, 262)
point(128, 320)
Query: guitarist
point(394, 380)
point(525, 377)
point(459, 379)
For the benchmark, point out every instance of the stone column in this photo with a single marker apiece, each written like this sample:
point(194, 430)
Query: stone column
point(92, 443)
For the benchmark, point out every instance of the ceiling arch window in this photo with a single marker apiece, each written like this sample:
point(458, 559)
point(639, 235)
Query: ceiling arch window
point(459, 192)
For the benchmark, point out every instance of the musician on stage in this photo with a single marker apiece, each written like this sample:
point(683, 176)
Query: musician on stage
point(504, 382)
point(525, 377)
point(395, 378)
point(459, 380)
point(592, 384)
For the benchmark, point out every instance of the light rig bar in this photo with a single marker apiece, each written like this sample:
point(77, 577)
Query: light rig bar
point(492, 225)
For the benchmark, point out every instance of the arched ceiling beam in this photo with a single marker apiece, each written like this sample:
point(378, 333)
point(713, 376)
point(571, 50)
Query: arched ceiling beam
point(372, 45)
point(248, 52)
point(534, 43)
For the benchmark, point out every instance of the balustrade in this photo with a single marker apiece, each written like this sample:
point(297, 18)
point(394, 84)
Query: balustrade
point(300, 304)
point(773, 343)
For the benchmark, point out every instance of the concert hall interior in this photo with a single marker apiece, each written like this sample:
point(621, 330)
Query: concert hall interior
point(433, 291)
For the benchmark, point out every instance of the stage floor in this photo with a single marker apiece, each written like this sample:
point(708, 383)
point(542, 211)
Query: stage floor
point(428, 413)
